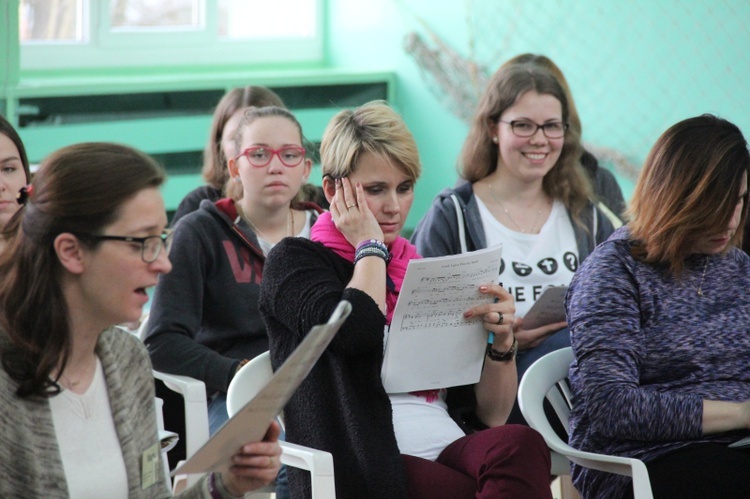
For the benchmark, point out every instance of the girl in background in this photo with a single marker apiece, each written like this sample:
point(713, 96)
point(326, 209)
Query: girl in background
point(204, 320)
point(220, 148)
point(603, 182)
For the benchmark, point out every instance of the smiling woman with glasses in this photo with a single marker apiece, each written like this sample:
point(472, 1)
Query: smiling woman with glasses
point(77, 392)
point(525, 189)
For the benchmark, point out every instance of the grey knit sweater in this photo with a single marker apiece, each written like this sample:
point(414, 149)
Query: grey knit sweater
point(30, 463)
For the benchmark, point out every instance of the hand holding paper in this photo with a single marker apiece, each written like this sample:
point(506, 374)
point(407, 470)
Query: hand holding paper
point(256, 464)
point(431, 344)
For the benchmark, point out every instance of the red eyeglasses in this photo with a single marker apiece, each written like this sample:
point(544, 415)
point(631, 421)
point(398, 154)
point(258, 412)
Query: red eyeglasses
point(259, 156)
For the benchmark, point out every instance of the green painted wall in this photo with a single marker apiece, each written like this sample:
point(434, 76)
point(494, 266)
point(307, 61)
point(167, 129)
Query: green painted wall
point(370, 34)
point(635, 67)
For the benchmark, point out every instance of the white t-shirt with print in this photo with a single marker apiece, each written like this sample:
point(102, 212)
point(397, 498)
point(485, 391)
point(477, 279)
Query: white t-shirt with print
point(531, 262)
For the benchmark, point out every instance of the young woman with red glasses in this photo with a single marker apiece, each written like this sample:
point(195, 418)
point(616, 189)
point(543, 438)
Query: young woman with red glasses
point(204, 320)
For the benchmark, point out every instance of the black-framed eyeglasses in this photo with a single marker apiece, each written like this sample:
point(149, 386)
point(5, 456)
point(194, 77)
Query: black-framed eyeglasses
point(525, 128)
point(150, 245)
point(260, 156)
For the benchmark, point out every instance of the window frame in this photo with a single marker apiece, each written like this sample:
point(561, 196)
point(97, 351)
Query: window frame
point(170, 48)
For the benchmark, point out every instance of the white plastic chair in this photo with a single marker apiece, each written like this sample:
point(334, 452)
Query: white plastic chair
point(244, 386)
point(193, 394)
point(547, 378)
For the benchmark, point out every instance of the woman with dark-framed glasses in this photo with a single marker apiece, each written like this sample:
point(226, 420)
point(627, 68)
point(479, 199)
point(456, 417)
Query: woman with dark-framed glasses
point(76, 392)
point(526, 190)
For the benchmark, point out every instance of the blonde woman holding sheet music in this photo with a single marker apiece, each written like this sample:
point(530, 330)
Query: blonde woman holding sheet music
point(397, 445)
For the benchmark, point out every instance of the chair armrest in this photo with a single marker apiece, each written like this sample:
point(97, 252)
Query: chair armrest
point(319, 463)
point(193, 393)
point(299, 456)
point(627, 466)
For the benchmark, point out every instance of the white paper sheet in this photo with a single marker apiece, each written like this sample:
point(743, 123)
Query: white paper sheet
point(252, 421)
point(430, 344)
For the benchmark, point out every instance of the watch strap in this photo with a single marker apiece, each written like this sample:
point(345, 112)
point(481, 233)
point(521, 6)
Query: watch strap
point(506, 356)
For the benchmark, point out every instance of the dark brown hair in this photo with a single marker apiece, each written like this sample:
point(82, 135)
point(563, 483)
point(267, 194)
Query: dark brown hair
point(688, 187)
point(7, 129)
point(78, 189)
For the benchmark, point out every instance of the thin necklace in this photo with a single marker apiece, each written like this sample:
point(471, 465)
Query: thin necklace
point(534, 228)
point(289, 223)
point(700, 284)
point(70, 385)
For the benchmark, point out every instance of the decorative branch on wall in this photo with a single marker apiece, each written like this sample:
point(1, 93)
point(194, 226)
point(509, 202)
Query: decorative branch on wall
point(459, 81)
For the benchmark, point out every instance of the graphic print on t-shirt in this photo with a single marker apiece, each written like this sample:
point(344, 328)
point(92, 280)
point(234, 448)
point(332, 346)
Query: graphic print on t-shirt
point(570, 260)
point(547, 265)
point(531, 262)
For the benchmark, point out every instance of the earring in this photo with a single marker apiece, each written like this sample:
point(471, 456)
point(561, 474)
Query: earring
point(494, 139)
point(236, 179)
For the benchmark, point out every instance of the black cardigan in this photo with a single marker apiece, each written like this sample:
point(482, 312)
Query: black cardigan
point(341, 406)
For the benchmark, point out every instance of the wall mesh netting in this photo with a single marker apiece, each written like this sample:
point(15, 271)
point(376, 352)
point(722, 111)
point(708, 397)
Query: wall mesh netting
point(635, 67)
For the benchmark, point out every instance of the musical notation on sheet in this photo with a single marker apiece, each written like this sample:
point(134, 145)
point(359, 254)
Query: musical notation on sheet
point(430, 344)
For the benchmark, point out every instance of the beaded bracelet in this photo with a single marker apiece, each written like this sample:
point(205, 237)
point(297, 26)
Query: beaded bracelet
point(372, 242)
point(371, 247)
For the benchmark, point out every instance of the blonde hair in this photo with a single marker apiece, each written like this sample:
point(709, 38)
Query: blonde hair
point(375, 128)
point(688, 188)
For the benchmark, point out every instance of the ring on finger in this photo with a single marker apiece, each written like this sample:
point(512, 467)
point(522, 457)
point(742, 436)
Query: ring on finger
point(350, 206)
point(500, 318)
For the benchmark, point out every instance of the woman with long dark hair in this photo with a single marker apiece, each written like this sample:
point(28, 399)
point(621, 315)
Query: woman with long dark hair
point(76, 392)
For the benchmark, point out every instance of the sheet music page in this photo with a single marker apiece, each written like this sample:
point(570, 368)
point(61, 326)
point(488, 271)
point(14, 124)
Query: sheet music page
point(430, 344)
point(252, 421)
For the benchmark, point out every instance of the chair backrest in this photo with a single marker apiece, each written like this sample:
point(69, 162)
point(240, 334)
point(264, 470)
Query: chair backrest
point(547, 379)
point(245, 385)
point(248, 382)
point(185, 409)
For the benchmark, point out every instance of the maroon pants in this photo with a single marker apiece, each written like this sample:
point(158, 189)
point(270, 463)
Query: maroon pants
point(510, 461)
